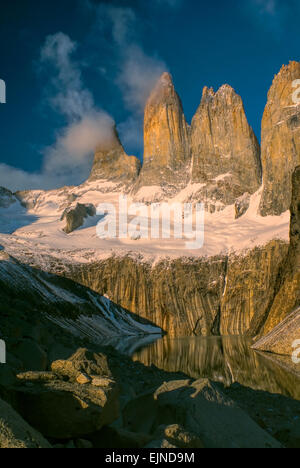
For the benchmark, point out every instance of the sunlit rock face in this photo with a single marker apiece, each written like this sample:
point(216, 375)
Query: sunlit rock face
point(201, 297)
point(280, 141)
point(166, 143)
point(288, 282)
point(249, 290)
point(111, 163)
point(225, 151)
point(281, 339)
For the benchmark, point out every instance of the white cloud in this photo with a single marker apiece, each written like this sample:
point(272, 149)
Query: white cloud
point(137, 71)
point(69, 159)
point(138, 76)
point(66, 91)
point(77, 141)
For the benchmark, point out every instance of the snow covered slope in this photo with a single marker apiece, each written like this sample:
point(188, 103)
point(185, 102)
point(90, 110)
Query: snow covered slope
point(67, 304)
point(37, 230)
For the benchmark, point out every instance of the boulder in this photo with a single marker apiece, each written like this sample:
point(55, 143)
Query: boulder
point(82, 362)
point(204, 410)
point(16, 433)
point(66, 410)
point(30, 354)
point(178, 436)
point(76, 215)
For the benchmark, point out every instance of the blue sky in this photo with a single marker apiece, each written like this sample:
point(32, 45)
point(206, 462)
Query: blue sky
point(73, 67)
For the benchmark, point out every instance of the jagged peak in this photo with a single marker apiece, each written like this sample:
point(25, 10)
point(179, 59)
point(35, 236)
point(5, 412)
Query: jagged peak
point(111, 162)
point(286, 73)
point(225, 89)
point(164, 90)
point(110, 143)
point(292, 66)
point(166, 79)
point(224, 95)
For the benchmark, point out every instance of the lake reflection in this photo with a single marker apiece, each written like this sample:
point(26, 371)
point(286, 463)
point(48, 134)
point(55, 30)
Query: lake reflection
point(222, 359)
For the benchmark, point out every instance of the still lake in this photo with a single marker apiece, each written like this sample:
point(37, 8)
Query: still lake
point(221, 359)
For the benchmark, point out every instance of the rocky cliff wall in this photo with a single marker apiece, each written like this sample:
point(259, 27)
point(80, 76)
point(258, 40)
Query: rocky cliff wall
point(280, 141)
point(288, 281)
point(185, 297)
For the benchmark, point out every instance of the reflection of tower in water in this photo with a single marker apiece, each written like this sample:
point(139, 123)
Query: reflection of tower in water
point(221, 359)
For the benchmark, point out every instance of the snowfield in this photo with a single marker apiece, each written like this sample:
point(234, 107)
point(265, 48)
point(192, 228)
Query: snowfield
point(38, 230)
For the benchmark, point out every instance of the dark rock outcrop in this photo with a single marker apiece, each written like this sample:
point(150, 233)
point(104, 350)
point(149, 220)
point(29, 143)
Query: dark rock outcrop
point(202, 409)
point(83, 408)
point(16, 433)
point(7, 198)
point(76, 215)
point(112, 164)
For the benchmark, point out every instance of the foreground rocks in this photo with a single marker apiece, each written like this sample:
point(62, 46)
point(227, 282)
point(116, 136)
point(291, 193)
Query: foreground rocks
point(141, 407)
point(16, 433)
point(205, 415)
point(60, 407)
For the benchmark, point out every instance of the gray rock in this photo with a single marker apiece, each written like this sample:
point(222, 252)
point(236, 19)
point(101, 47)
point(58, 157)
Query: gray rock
point(65, 410)
point(83, 361)
point(76, 215)
point(16, 433)
point(31, 354)
point(179, 437)
point(203, 410)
